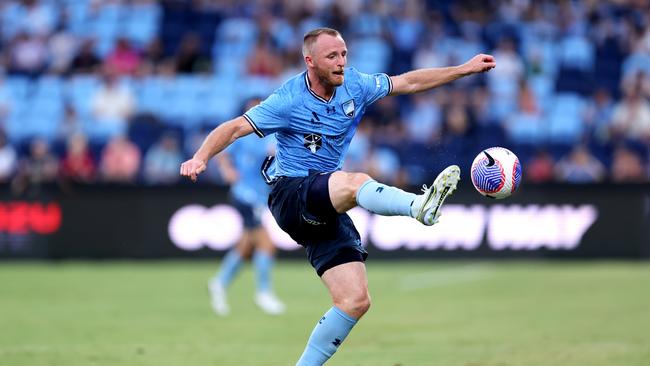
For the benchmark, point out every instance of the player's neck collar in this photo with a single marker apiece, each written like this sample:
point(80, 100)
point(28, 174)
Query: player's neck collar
point(308, 84)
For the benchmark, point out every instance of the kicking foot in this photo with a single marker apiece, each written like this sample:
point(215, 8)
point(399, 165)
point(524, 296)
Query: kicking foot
point(269, 303)
point(218, 299)
point(426, 207)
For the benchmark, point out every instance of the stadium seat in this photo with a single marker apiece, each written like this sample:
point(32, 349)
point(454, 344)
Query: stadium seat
point(18, 87)
point(577, 52)
point(141, 23)
point(79, 91)
point(565, 118)
point(371, 55)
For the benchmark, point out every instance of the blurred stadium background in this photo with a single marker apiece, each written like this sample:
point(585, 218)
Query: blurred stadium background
point(100, 101)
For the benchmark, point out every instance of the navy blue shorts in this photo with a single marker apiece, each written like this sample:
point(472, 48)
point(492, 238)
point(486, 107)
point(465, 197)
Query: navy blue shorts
point(251, 217)
point(329, 238)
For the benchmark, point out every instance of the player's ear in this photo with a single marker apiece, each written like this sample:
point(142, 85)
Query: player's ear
point(309, 61)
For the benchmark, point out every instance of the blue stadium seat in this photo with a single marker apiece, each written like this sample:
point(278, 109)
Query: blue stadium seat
point(565, 118)
point(220, 103)
point(78, 18)
point(256, 86)
point(18, 86)
point(234, 39)
point(40, 119)
point(49, 87)
point(371, 55)
point(543, 87)
point(100, 131)
point(577, 52)
point(10, 20)
point(141, 23)
point(79, 91)
point(157, 95)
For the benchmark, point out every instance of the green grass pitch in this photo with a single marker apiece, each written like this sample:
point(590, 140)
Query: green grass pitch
point(423, 313)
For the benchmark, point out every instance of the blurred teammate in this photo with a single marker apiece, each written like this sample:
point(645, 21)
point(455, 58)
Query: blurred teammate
point(314, 116)
point(240, 167)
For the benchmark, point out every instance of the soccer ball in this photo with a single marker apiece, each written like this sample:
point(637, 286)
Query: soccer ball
point(496, 172)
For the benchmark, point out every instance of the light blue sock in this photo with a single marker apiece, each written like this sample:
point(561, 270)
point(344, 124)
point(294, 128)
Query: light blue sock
point(384, 200)
point(229, 267)
point(263, 263)
point(326, 338)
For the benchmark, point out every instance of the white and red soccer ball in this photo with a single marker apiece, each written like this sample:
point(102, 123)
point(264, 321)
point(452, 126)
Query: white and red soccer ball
point(496, 172)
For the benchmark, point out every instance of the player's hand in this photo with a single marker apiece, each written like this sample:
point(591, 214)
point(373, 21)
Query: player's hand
point(192, 168)
point(480, 63)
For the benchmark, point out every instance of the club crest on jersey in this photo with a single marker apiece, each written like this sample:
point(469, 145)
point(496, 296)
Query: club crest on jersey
point(348, 108)
point(313, 142)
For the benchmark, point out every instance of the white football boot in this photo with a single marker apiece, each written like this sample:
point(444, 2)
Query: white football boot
point(218, 299)
point(426, 207)
point(269, 303)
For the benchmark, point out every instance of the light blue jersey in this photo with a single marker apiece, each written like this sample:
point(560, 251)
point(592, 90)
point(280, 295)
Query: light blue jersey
point(246, 155)
point(313, 133)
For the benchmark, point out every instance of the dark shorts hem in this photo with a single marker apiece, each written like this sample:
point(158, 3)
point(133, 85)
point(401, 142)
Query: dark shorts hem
point(345, 255)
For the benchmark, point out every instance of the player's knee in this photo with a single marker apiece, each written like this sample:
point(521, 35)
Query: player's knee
point(355, 181)
point(355, 305)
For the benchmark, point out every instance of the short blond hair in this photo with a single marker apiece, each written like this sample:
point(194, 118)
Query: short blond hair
point(311, 36)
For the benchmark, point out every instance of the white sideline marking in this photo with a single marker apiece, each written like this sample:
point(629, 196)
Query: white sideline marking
point(445, 277)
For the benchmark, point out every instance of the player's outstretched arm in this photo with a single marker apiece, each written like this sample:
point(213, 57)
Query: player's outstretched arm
point(215, 142)
point(424, 79)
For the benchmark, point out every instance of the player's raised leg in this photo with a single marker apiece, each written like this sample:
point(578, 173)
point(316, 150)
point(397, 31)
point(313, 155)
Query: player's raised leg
point(348, 190)
point(348, 286)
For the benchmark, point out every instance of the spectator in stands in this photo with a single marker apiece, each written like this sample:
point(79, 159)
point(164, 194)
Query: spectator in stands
point(162, 160)
point(598, 114)
point(627, 167)
point(580, 166)
point(526, 124)
point(424, 119)
point(511, 66)
point(406, 31)
point(263, 59)
point(153, 58)
point(8, 159)
point(39, 167)
point(631, 118)
point(62, 47)
point(70, 123)
point(27, 55)
point(124, 59)
point(41, 35)
point(113, 101)
point(120, 161)
point(78, 164)
point(384, 163)
point(5, 97)
point(540, 168)
point(189, 59)
point(86, 60)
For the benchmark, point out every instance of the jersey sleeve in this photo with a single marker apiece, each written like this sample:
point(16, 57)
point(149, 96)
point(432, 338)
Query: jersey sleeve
point(271, 115)
point(374, 86)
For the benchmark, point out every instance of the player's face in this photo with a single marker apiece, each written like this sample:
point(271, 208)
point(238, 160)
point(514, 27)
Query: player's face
point(328, 58)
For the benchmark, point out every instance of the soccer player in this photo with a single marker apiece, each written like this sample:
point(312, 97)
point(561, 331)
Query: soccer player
point(314, 116)
point(240, 167)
